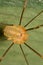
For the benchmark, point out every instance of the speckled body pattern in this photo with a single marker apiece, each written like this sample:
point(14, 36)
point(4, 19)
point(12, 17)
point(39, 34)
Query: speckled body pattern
point(16, 33)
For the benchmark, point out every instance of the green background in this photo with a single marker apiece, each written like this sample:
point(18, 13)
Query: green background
point(10, 11)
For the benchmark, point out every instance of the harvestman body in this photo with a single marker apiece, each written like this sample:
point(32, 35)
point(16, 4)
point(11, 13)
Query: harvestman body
point(18, 34)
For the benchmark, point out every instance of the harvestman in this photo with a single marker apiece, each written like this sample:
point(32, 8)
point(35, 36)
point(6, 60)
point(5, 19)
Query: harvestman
point(18, 34)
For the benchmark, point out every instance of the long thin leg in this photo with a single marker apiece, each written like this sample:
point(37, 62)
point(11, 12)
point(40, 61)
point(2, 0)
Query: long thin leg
point(6, 24)
point(25, 3)
point(6, 52)
point(33, 18)
point(34, 51)
point(35, 27)
point(7, 14)
point(24, 55)
point(17, 16)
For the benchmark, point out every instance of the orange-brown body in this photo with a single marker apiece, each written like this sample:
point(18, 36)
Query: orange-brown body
point(16, 33)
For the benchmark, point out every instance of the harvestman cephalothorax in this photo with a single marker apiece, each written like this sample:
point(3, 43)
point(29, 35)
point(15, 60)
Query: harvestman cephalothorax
point(18, 34)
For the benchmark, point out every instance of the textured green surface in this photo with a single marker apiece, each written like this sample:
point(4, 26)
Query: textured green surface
point(14, 56)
